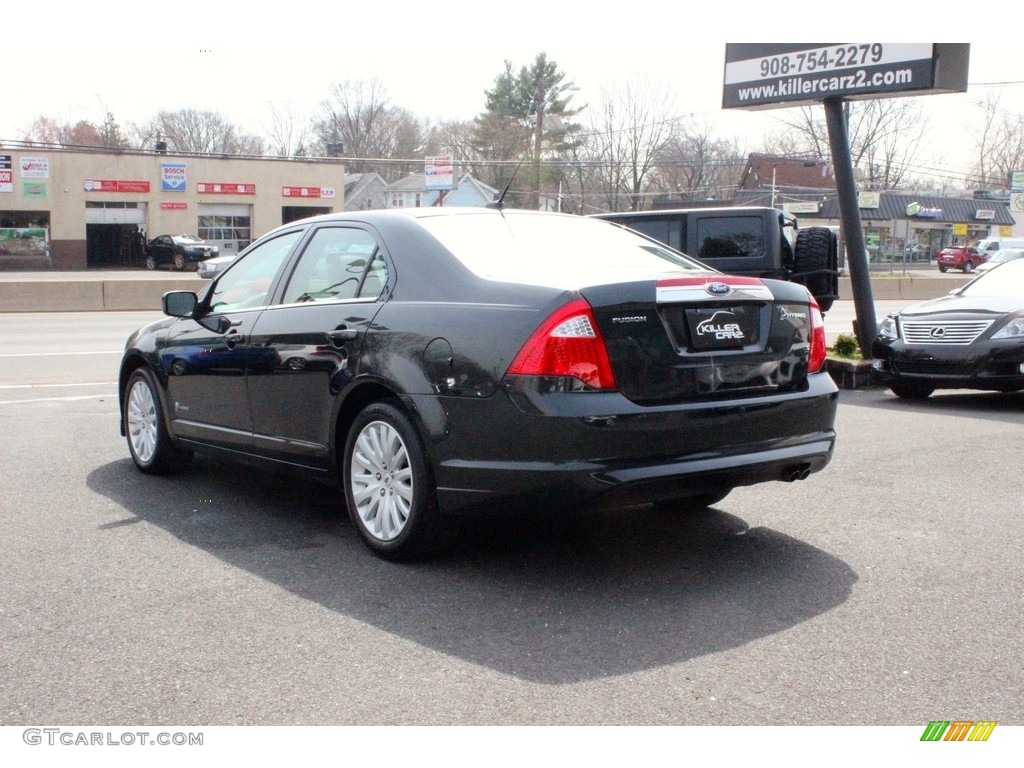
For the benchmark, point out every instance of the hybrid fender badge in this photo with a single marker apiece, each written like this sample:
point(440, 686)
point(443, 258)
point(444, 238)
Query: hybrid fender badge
point(785, 314)
point(718, 289)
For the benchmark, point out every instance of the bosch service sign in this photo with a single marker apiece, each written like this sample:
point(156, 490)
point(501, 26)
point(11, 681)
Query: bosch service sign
point(172, 177)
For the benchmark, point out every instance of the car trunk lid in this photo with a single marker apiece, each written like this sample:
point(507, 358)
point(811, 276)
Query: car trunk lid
point(680, 337)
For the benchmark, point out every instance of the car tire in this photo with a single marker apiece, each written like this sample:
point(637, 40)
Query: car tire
point(911, 391)
point(942, 270)
point(815, 253)
point(389, 488)
point(150, 262)
point(968, 266)
point(179, 261)
point(149, 442)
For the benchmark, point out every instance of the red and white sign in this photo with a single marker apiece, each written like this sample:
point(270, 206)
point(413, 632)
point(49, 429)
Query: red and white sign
point(35, 167)
point(325, 192)
point(439, 172)
point(115, 185)
point(224, 188)
point(173, 206)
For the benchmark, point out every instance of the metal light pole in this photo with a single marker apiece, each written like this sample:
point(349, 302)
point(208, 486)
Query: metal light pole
point(849, 212)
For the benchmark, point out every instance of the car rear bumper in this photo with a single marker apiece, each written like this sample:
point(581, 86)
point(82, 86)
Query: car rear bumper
point(556, 450)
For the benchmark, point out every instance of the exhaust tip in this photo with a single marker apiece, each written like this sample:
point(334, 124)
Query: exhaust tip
point(801, 472)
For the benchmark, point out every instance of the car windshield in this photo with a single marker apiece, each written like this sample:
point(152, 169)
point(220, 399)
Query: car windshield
point(187, 239)
point(552, 249)
point(1008, 280)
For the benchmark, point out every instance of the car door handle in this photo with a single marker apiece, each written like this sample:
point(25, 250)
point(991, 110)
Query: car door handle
point(340, 335)
point(232, 339)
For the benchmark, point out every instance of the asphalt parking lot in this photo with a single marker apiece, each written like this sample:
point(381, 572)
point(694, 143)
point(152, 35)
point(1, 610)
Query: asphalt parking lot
point(882, 591)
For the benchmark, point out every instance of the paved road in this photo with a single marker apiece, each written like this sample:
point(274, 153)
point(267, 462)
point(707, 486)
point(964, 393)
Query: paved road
point(884, 590)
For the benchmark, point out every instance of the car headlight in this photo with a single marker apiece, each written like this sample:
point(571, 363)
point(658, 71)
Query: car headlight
point(889, 328)
point(1012, 330)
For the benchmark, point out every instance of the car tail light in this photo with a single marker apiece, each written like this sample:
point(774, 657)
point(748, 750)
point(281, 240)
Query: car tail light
point(819, 349)
point(567, 344)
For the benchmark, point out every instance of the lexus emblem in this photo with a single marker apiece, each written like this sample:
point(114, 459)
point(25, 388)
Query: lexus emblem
point(718, 289)
point(937, 333)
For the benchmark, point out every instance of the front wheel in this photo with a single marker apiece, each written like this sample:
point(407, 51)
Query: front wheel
point(389, 489)
point(148, 440)
point(968, 266)
point(179, 261)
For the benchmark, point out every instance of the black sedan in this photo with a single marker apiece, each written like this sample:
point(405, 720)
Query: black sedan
point(179, 251)
point(972, 338)
point(434, 360)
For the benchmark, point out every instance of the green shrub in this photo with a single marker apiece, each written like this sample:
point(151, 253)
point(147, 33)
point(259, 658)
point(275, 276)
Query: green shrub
point(846, 346)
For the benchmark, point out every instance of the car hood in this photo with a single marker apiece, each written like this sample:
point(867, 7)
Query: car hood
point(959, 304)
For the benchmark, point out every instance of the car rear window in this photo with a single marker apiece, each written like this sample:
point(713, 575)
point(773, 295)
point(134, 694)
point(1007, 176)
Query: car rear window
point(550, 249)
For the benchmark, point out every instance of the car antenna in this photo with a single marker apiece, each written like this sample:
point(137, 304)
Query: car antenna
point(499, 203)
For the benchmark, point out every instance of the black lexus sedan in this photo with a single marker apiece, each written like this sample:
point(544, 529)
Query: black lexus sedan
point(972, 338)
point(443, 359)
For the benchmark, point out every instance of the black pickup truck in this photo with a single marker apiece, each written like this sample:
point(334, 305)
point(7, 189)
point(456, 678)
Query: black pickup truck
point(761, 242)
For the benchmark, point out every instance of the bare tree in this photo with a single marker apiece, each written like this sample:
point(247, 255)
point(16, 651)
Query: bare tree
point(198, 132)
point(358, 122)
point(886, 136)
point(694, 165)
point(999, 146)
point(629, 134)
point(288, 133)
point(63, 133)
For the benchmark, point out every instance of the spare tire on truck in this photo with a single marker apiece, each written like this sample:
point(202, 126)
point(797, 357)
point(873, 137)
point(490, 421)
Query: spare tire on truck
point(815, 264)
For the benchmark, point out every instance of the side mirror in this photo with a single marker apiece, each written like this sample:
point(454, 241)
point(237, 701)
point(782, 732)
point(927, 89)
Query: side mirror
point(179, 303)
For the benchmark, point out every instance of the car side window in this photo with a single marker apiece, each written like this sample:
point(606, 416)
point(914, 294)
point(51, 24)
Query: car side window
point(246, 282)
point(338, 263)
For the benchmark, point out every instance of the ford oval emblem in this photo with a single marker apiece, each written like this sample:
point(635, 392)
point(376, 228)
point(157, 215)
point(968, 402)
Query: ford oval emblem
point(718, 289)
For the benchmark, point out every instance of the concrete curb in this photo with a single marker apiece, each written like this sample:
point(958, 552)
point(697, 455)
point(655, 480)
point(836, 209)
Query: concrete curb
point(140, 291)
point(64, 294)
point(910, 287)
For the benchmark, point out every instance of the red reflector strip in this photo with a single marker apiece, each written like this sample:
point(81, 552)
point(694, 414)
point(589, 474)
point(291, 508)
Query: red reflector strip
point(688, 290)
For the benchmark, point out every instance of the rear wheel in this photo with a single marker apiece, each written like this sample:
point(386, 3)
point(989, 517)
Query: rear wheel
point(942, 269)
point(814, 264)
point(389, 490)
point(150, 262)
point(911, 390)
point(148, 440)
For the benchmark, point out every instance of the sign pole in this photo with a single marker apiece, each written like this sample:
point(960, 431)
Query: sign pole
point(849, 213)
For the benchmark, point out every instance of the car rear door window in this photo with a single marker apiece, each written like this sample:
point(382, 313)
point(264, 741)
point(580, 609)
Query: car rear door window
point(338, 263)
